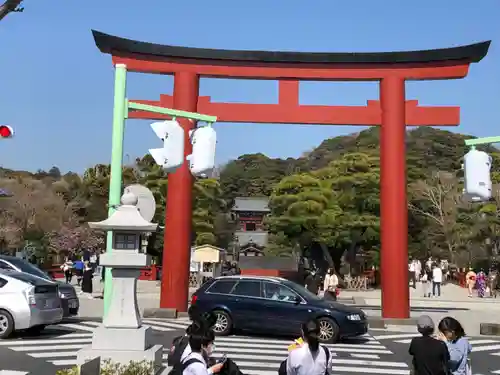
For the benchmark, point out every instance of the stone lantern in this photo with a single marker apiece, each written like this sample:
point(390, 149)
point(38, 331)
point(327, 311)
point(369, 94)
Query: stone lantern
point(122, 338)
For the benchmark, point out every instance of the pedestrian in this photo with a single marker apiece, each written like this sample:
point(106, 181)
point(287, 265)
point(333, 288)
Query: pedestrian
point(430, 356)
point(330, 285)
point(103, 279)
point(180, 348)
point(78, 266)
point(312, 282)
point(481, 283)
point(470, 281)
point(418, 269)
point(310, 358)
point(437, 279)
point(411, 269)
point(493, 282)
point(201, 343)
point(452, 334)
point(93, 261)
point(428, 271)
point(426, 283)
point(87, 280)
point(67, 268)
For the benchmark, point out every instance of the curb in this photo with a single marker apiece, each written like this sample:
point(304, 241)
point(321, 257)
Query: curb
point(489, 329)
point(382, 323)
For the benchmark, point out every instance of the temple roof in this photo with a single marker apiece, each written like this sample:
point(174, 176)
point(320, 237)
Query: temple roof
point(256, 204)
point(121, 46)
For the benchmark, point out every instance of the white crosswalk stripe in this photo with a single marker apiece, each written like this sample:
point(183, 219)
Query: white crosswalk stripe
point(253, 355)
point(260, 356)
point(61, 350)
point(164, 325)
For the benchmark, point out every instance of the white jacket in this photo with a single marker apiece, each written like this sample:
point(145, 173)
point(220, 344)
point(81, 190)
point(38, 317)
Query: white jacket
point(196, 368)
point(331, 282)
point(302, 362)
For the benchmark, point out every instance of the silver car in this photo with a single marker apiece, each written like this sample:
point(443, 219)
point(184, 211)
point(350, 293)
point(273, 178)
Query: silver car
point(69, 299)
point(27, 303)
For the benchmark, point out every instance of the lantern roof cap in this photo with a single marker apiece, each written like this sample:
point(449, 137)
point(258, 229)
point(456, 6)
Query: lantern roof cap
point(126, 218)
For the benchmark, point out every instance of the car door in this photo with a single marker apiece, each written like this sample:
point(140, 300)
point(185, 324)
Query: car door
point(287, 310)
point(247, 305)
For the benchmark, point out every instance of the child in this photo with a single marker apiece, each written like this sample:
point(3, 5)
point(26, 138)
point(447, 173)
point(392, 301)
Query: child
point(430, 356)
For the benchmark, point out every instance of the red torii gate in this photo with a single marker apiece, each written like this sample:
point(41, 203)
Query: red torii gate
point(392, 112)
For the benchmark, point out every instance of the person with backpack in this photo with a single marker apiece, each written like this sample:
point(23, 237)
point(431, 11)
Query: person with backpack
point(180, 348)
point(310, 358)
point(201, 344)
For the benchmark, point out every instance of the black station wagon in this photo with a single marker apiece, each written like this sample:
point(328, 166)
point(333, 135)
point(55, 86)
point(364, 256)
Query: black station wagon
point(275, 306)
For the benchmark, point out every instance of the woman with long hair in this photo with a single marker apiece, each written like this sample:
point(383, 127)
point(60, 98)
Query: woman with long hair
point(330, 285)
point(452, 334)
point(310, 358)
point(481, 283)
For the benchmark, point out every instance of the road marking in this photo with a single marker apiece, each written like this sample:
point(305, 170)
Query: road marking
point(485, 348)
point(476, 342)
point(398, 336)
point(254, 356)
point(168, 324)
point(343, 361)
point(54, 354)
point(367, 356)
point(64, 362)
point(388, 371)
point(79, 327)
point(406, 341)
point(48, 347)
point(42, 342)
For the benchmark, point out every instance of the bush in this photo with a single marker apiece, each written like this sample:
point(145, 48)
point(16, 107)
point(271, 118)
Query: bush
point(110, 368)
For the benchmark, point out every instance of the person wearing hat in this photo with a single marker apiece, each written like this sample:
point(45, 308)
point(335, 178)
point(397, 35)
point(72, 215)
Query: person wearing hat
point(430, 356)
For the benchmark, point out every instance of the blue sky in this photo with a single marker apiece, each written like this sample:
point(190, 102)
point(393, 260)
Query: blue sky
point(56, 87)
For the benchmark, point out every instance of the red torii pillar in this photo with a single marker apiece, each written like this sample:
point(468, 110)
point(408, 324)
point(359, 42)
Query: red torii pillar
point(393, 113)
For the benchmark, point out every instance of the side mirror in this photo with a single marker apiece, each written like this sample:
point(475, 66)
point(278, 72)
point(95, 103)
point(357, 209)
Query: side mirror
point(297, 300)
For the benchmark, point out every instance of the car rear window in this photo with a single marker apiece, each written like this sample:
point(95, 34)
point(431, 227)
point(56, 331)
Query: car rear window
point(248, 288)
point(46, 289)
point(30, 279)
point(221, 286)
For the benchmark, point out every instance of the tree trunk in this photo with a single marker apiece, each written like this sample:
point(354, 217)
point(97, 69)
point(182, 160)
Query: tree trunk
point(8, 6)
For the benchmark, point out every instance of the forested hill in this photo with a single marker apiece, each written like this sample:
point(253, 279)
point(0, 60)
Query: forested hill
point(427, 149)
point(329, 196)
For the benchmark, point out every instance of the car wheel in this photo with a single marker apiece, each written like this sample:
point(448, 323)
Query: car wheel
point(328, 330)
point(6, 324)
point(223, 323)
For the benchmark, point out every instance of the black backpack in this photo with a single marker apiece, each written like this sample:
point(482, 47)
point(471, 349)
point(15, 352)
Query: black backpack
point(180, 367)
point(179, 344)
point(282, 369)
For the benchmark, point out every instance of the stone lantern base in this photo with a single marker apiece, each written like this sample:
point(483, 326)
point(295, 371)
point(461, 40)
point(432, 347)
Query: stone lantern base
point(123, 345)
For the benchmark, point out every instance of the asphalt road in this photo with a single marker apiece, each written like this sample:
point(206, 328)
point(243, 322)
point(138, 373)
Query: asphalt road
point(380, 352)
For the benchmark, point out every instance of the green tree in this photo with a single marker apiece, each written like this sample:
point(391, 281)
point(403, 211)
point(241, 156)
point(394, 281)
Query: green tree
point(303, 209)
point(207, 204)
point(448, 218)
